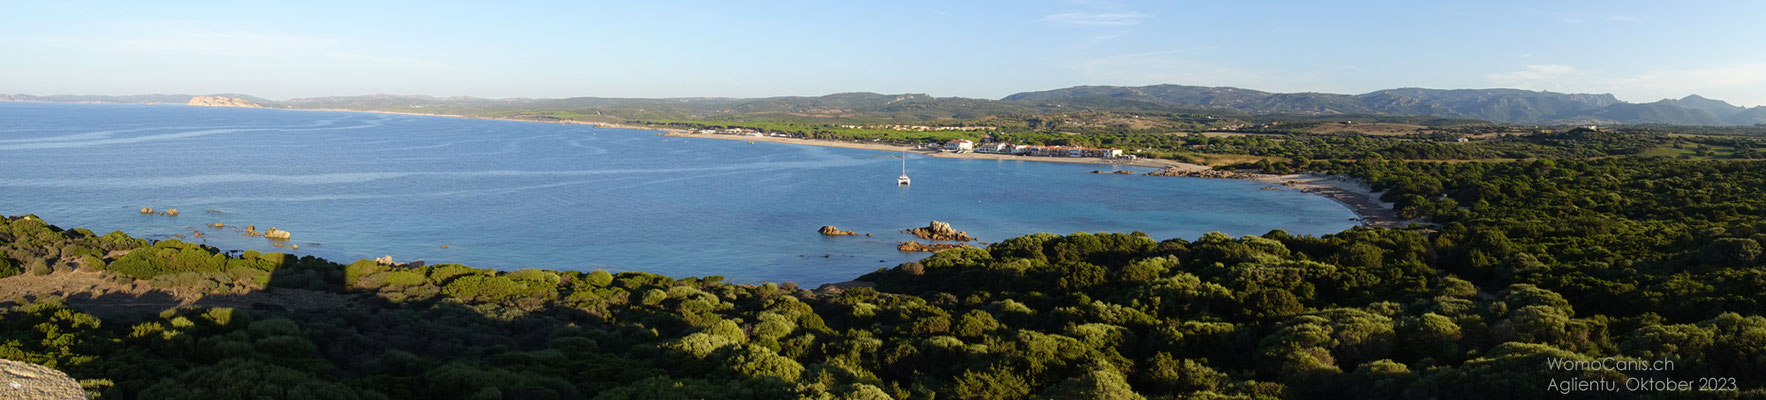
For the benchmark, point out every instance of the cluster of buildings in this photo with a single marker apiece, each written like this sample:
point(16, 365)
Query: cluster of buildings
point(919, 128)
point(964, 146)
point(738, 132)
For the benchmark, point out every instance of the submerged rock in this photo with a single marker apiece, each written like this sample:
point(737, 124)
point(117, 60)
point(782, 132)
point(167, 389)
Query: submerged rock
point(830, 230)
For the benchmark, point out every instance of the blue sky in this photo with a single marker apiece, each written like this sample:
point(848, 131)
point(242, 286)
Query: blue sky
point(1640, 51)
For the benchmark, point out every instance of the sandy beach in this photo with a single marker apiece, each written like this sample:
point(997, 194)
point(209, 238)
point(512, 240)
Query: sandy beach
point(1351, 192)
point(1144, 162)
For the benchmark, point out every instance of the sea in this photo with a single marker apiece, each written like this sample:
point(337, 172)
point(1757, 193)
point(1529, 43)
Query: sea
point(511, 195)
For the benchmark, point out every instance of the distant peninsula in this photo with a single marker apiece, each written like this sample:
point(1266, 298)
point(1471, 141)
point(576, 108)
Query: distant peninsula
point(222, 101)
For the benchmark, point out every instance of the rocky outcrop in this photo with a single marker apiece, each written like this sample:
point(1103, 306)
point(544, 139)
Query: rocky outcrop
point(1202, 173)
point(147, 210)
point(836, 288)
point(830, 230)
point(172, 212)
point(929, 248)
point(219, 101)
point(940, 231)
point(278, 234)
point(30, 381)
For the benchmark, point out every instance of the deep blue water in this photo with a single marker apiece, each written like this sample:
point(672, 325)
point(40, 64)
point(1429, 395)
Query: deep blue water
point(512, 195)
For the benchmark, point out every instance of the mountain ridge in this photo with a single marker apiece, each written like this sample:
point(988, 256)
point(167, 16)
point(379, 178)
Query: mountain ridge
point(1515, 106)
point(1499, 104)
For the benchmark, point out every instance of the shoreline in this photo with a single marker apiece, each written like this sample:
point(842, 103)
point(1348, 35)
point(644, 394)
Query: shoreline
point(1350, 192)
point(1143, 162)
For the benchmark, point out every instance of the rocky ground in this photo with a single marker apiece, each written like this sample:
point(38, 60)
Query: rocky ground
point(35, 382)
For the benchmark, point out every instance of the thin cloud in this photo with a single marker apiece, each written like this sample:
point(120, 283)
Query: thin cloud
point(1177, 67)
point(1078, 18)
point(1539, 76)
point(1733, 80)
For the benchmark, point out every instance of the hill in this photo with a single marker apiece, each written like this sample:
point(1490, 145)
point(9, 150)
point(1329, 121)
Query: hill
point(1500, 105)
point(1512, 106)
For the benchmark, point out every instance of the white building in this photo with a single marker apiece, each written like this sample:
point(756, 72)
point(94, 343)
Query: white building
point(994, 148)
point(959, 145)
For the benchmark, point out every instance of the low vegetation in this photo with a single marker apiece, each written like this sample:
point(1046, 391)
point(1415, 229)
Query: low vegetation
point(1642, 259)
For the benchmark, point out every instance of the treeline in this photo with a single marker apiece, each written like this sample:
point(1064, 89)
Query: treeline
point(1291, 139)
point(1651, 238)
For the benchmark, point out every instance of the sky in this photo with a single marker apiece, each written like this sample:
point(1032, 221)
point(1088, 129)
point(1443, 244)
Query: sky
point(1640, 51)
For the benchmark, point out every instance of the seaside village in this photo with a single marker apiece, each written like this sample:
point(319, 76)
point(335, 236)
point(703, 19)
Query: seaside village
point(965, 146)
point(961, 146)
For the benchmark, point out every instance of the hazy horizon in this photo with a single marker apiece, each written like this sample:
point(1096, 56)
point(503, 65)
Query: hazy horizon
point(1638, 51)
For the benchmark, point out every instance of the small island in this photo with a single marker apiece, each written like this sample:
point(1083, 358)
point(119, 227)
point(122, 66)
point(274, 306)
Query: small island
point(222, 101)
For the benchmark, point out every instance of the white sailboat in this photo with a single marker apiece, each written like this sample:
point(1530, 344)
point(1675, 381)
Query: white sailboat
point(903, 180)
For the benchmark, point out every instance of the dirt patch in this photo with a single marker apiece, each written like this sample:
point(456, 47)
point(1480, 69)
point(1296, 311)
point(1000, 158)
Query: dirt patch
point(101, 294)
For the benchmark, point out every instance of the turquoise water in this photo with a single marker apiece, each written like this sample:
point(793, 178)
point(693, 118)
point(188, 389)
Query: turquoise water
point(513, 195)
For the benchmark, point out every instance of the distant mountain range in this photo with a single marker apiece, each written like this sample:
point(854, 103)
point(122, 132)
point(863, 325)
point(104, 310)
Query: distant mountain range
point(1499, 105)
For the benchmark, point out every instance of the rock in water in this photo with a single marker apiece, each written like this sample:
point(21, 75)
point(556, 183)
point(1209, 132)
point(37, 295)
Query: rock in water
point(274, 233)
point(172, 212)
point(30, 381)
point(930, 248)
point(830, 230)
point(146, 210)
point(940, 231)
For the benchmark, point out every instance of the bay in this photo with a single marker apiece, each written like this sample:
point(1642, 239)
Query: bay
point(511, 195)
